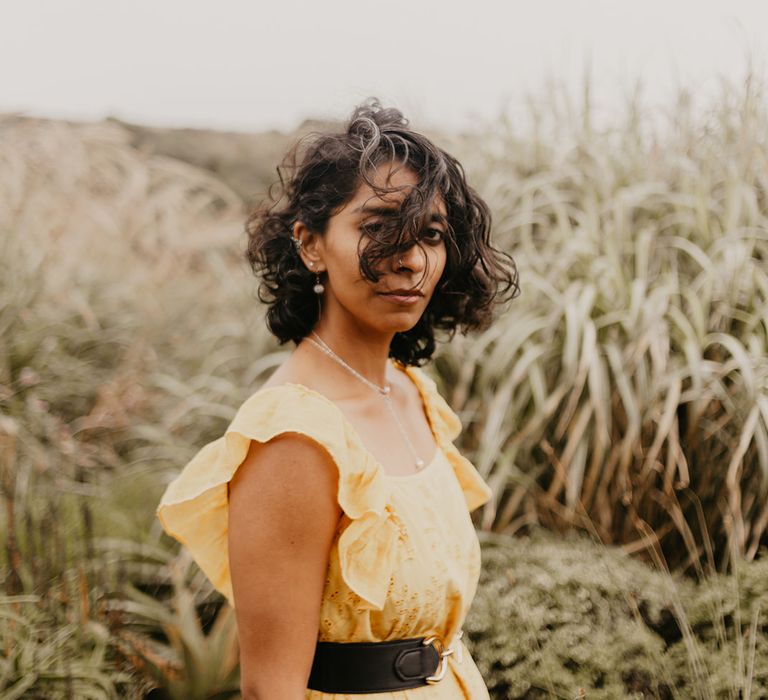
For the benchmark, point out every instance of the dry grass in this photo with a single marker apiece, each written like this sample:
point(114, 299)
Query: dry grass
point(626, 391)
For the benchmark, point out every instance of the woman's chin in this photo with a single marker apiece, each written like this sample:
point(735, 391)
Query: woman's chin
point(397, 325)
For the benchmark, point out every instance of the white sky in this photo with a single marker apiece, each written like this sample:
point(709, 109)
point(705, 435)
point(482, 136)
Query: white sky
point(252, 65)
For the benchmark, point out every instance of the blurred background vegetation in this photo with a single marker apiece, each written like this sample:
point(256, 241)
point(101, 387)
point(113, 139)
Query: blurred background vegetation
point(618, 407)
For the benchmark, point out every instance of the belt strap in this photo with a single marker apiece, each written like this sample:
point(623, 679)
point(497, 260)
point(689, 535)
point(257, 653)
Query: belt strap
point(374, 667)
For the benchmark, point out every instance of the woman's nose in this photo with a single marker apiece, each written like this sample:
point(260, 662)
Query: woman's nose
point(413, 257)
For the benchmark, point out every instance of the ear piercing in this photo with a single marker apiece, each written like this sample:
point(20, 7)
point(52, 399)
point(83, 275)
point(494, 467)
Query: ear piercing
point(319, 288)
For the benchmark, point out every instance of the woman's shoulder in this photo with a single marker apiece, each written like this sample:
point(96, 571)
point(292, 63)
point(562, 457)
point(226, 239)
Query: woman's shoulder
point(194, 508)
point(296, 375)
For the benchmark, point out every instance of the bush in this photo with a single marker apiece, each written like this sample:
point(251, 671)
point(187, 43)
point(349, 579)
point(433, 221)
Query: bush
point(559, 616)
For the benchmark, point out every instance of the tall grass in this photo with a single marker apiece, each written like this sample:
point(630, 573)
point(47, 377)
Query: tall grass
point(625, 392)
point(123, 340)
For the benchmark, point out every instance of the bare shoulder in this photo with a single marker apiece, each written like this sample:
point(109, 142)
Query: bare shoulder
point(289, 457)
point(292, 450)
point(287, 460)
point(292, 371)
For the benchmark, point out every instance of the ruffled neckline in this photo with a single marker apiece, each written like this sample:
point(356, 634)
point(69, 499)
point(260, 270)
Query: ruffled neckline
point(442, 427)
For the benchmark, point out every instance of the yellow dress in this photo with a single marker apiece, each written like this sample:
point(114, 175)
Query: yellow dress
point(405, 560)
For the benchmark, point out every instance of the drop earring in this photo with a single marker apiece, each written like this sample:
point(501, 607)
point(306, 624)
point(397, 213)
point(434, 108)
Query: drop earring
point(318, 288)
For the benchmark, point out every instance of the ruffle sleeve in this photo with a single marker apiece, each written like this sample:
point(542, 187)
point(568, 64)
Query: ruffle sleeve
point(194, 507)
point(447, 426)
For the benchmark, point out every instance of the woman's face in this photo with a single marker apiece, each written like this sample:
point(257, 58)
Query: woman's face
point(372, 304)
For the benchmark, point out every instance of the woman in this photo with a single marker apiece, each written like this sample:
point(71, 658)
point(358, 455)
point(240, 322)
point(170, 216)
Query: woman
point(334, 512)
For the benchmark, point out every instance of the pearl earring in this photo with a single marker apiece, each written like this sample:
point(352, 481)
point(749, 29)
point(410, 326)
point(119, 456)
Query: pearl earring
point(318, 288)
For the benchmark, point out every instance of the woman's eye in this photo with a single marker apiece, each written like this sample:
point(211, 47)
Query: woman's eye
point(372, 227)
point(434, 234)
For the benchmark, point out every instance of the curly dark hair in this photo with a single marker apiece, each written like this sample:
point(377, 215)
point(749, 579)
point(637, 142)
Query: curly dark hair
point(322, 173)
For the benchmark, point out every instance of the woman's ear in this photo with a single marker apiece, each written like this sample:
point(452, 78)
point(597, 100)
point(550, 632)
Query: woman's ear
point(311, 247)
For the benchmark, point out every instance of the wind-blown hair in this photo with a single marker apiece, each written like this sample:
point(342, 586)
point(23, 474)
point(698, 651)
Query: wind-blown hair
point(322, 173)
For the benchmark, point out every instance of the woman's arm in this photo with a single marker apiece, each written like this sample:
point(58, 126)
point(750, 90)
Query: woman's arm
point(283, 513)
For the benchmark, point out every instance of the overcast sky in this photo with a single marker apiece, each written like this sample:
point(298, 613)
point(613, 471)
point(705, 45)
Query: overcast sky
point(250, 65)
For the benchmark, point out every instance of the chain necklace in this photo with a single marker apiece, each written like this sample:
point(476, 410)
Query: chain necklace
point(384, 391)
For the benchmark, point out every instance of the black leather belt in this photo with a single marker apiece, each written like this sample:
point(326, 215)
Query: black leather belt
point(375, 667)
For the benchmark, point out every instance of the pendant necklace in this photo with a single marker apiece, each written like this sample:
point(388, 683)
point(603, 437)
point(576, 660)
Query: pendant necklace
point(383, 391)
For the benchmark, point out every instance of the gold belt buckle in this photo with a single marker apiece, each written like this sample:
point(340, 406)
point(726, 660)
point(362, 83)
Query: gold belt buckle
point(442, 669)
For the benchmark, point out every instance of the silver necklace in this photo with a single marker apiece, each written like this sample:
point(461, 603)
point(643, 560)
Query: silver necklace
point(383, 390)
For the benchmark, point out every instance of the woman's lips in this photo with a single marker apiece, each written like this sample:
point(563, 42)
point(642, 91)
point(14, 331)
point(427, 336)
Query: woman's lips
point(402, 299)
